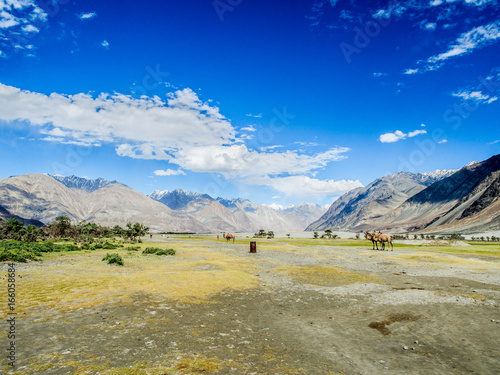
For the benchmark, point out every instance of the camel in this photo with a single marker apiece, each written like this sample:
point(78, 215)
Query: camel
point(229, 236)
point(383, 238)
point(371, 237)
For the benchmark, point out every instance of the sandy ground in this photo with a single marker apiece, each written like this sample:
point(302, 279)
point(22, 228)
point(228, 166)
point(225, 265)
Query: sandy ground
point(309, 310)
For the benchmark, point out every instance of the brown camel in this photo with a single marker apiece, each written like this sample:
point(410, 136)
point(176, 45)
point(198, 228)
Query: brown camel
point(383, 238)
point(371, 237)
point(229, 236)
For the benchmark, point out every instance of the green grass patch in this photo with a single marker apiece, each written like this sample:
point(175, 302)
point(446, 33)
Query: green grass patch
point(133, 248)
point(113, 259)
point(158, 251)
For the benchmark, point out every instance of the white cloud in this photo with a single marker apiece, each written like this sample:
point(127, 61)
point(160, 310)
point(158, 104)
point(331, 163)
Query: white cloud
point(256, 116)
point(7, 20)
point(19, 19)
point(238, 161)
point(378, 74)
point(306, 186)
point(249, 128)
point(430, 26)
point(416, 132)
point(494, 142)
point(169, 172)
point(87, 16)
point(443, 141)
point(105, 44)
point(465, 44)
point(411, 71)
point(392, 137)
point(30, 29)
point(478, 37)
point(183, 130)
point(476, 96)
point(399, 135)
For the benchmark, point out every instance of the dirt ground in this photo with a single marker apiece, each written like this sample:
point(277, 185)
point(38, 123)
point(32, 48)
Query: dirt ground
point(291, 308)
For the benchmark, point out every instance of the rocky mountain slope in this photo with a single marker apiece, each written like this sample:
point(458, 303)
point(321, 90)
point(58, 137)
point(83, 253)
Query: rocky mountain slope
point(42, 197)
point(6, 215)
point(361, 207)
point(467, 201)
point(463, 201)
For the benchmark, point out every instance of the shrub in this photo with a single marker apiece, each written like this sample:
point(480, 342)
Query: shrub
point(17, 255)
point(133, 248)
point(110, 246)
point(18, 251)
point(158, 251)
point(113, 258)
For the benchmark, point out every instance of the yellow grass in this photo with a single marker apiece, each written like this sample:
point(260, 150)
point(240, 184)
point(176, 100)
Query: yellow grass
point(325, 275)
point(83, 280)
point(438, 260)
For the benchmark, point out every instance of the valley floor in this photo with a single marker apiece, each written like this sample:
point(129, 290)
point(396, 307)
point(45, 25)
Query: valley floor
point(298, 306)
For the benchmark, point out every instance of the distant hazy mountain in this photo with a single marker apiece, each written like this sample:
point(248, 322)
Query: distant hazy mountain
point(465, 200)
point(42, 197)
point(301, 214)
point(203, 207)
point(361, 207)
point(238, 215)
point(257, 216)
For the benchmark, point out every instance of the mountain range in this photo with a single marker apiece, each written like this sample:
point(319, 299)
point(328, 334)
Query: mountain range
point(40, 198)
point(455, 201)
point(444, 201)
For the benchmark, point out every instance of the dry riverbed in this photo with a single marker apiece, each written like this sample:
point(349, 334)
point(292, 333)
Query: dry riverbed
point(295, 307)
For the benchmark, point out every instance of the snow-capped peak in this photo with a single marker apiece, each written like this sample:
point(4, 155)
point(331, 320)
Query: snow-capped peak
point(158, 194)
point(471, 163)
point(440, 173)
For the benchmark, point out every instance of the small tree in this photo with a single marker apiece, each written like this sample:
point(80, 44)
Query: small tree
point(11, 229)
point(315, 235)
point(270, 234)
point(32, 233)
point(135, 230)
point(328, 233)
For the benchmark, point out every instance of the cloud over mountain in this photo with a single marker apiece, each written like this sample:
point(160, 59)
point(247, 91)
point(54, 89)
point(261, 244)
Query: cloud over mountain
point(182, 130)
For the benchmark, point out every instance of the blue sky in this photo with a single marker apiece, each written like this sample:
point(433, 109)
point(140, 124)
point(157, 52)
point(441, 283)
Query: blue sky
point(278, 102)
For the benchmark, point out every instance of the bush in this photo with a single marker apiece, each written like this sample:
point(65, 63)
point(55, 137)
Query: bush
point(17, 251)
point(105, 246)
point(17, 255)
point(158, 251)
point(133, 248)
point(113, 258)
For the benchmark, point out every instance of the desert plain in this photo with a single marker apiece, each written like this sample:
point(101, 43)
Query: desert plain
point(296, 306)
